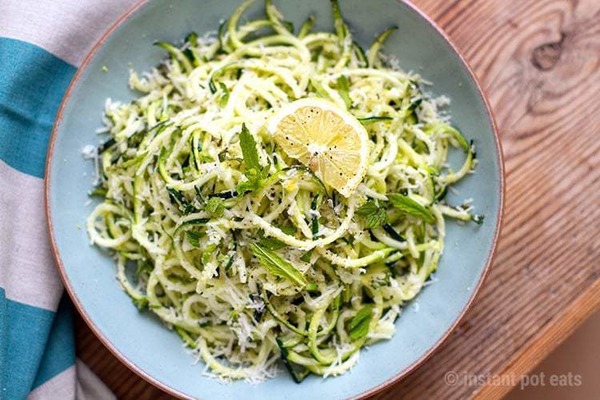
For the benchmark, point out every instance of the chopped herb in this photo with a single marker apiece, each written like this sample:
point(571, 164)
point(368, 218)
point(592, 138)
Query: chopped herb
point(306, 256)
point(248, 145)
point(278, 266)
point(312, 287)
point(271, 243)
point(215, 207)
point(287, 229)
point(373, 213)
point(359, 325)
point(254, 172)
point(411, 207)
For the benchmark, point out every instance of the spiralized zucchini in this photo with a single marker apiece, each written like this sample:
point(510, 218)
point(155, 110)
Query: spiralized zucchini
point(251, 266)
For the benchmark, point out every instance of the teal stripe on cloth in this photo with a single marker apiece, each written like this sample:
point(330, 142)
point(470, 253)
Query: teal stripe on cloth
point(3, 329)
point(32, 84)
point(60, 349)
point(23, 338)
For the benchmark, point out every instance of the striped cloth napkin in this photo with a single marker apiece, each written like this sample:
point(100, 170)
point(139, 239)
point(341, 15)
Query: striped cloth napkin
point(42, 42)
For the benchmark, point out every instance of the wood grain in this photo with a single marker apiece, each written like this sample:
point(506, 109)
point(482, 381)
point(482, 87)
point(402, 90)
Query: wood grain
point(539, 64)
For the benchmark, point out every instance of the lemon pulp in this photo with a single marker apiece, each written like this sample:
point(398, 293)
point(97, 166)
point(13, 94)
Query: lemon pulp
point(325, 138)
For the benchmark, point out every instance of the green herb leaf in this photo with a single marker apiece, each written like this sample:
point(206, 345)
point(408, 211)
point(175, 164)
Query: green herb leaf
point(215, 207)
point(343, 87)
point(248, 145)
point(359, 325)
point(277, 265)
point(312, 287)
point(374, 214)
point(271, 243)
point(287, 229)
point(255, 173)
point(306, 256)
point(411, 207)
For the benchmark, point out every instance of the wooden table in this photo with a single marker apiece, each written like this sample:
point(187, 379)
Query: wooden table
point(539, 63)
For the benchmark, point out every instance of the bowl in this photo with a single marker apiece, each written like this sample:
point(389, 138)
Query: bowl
point(138, 339)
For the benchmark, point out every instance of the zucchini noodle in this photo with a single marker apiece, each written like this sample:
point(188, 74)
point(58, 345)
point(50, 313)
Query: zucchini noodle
point(250, 267)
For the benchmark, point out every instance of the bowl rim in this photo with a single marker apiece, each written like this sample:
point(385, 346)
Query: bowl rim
point(172, 391)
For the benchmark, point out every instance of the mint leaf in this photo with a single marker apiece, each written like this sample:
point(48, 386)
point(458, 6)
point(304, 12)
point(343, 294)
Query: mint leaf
point(306, 256)
point(271, 243)
point(215, 207)
point(255, 173)
point(359, 325)
point(373, 213)
point(248, 145)
point(411, 207)
point(277, 265)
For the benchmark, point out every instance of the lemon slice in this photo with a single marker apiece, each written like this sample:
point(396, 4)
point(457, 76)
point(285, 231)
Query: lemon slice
point(325, 138)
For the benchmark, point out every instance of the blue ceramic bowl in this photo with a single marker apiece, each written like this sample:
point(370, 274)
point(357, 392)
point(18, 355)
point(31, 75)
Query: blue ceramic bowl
point(141, 341)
